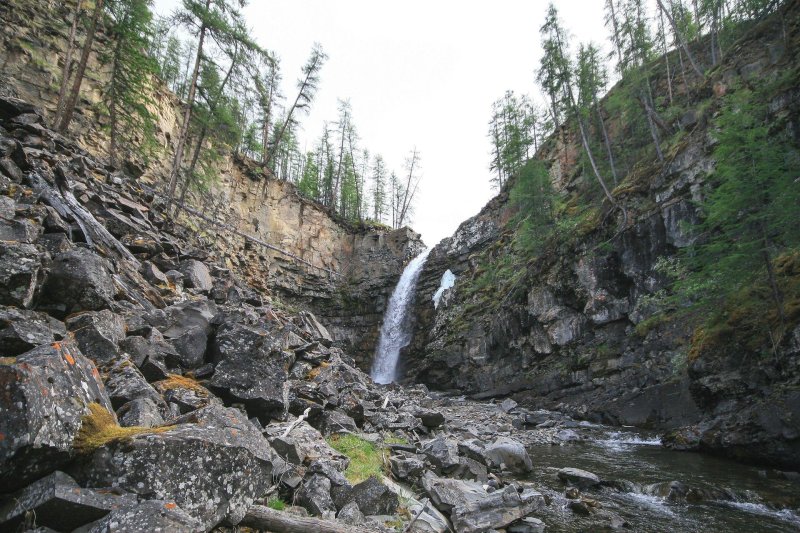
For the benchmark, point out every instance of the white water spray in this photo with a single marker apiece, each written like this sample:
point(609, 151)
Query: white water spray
point(396, 328)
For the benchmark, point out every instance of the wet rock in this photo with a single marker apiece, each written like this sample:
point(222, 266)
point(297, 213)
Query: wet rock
point(22, 330)
point(351, 515)
point(510, 453)
point(315, 496)
point(58, 501)
point(579, 507)
point(79, 280)
point(196, 275)
point(141, 412)
point(126, 383)
point(578, 478)
point(527, 525)
point(19, 273)
point(44, 397)
point(146, 517)
point(374, 498)
point(97, 333)
point(442, 452)
point(252, 370)
point(213, 463)
point(683, 439)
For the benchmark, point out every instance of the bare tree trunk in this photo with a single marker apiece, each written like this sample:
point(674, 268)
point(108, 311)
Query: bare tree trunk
point(607, 142)
point(187, 115)
point(72, 98)
point(666, 55)
point(680, 37)
point(65, 72)
point(261, 517)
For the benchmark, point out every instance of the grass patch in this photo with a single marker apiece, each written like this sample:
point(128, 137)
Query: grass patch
point(366, 459)
point(314, 372)
point(276, 503)
point(175, 381)
point(99, 428)
point(392, 439)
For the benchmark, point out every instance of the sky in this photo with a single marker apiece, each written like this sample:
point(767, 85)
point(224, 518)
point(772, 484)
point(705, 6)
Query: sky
point(418, 73)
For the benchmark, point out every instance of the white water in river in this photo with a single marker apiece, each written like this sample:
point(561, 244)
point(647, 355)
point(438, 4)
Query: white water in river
point(396, 328)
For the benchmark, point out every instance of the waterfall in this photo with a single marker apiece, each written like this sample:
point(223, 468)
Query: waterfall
point(396, 328)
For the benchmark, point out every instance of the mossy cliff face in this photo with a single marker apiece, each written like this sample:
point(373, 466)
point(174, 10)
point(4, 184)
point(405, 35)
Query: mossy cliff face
point(573, 326)
point(349, 271)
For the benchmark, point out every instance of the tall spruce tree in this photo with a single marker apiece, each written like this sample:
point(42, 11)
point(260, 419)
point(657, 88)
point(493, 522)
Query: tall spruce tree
point(131, 122)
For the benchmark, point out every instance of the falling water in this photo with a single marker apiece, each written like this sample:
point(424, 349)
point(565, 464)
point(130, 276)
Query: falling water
point(395, 331)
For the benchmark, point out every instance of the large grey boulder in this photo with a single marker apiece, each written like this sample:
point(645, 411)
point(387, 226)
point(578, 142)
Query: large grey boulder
point(58, 501)
point(188, 326)
point(505, 451)
point(46, 392)
point(304, 443)
point(196, 275)
point(252, 369)
point(496, 510)
point(141, 412)
point(374, 498)
point(20, 266)
point(575, 477)
point(22, 330)
point(315, 496)
point(147, 517)
point(97, 333)
point(125, 383)
point(79, 280)
point(213, 464)
point(442, 452)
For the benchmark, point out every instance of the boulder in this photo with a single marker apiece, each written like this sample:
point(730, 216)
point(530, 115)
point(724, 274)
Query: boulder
point(146, 517)
point(79, 280)
point(496, 510)
point(374, 498)
point(335, 421)
point(447, 493)
point(508, 405)
point(188, 327)
point(124, 383)
point(578, 478)
point(527, 525)
point(97, 334)
point(252, 370)
point(442, 452)
point(315, 496)
point(59, 502)
point(141, 412)
point(22, 330)
point(20, 265)
point(351, 515)
point(406, 468)
point(196, 275)
point(505, 451)
point(44, 397)
point(304, 442)
point(213, 463)
point(185, 394)
point(430, 418)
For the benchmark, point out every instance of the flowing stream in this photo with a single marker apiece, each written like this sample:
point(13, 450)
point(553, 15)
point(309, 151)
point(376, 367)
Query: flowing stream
point(396, 328)
point(659, 490)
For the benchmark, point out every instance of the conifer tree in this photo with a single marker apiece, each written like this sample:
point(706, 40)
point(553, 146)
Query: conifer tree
point(378, 188)
point(71, 98)
point(131, 122)
point(67, 68)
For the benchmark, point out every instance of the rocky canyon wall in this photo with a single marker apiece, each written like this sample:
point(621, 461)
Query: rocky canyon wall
point(346, 272)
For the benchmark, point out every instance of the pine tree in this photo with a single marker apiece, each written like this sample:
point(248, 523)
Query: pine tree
point(309, 185)
point(131, 124)
point(170, 68)
point(71, 98)
point(378, 188)
point(67, 69)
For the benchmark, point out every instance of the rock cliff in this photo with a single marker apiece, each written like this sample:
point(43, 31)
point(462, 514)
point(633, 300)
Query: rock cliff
point(347, 272)
point(576, 333)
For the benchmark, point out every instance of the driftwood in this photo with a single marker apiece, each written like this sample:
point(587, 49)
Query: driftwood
point(228, 227)
point(260, 517)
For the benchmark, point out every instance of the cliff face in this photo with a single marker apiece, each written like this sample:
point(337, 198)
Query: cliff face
point(576, 331)
point(346, 273)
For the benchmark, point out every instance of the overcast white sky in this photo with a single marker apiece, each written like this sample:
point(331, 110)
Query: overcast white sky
point(418, 73)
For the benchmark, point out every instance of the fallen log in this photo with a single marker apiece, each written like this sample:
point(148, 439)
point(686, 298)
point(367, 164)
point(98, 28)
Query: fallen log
point(260, 517)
